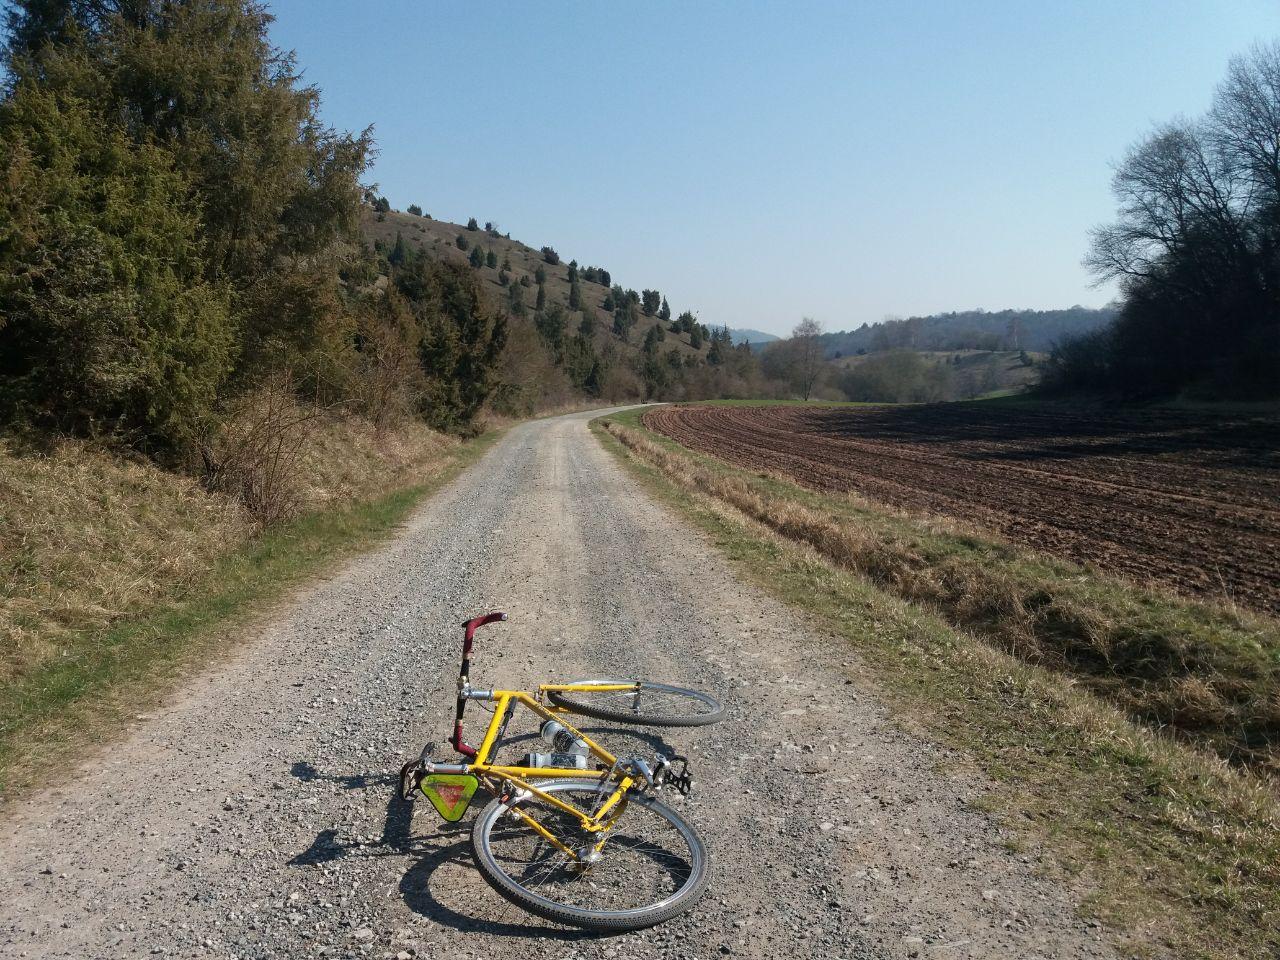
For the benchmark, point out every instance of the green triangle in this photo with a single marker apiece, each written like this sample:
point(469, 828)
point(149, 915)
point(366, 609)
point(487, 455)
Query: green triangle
point(450, 793)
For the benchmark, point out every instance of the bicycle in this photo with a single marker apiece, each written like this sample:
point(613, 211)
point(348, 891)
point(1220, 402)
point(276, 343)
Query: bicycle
point(577, 836)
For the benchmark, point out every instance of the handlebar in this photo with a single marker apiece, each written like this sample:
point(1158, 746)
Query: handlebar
point(471, 626)
point(474, 624)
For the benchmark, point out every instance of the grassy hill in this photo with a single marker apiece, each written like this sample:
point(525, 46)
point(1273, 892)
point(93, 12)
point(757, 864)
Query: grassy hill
point(438, 238)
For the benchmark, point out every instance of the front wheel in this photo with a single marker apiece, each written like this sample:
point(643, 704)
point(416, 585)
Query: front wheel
point(651, 867)
point(643, 703)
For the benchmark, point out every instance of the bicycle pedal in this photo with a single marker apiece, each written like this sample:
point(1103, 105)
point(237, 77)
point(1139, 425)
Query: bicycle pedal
point(411, 775)
point(681, 780)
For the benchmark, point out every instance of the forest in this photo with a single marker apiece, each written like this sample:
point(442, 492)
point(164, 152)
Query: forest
point(183, 234)
point(1032, 330)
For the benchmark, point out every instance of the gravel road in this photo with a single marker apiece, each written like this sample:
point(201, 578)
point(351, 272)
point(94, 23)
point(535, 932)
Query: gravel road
point(253, 816)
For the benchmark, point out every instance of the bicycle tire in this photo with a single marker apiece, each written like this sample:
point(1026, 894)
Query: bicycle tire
point(705, 708)
point(690, 880)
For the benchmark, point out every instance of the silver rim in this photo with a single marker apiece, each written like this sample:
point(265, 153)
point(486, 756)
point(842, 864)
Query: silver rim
point(651, 862)
point(649, 702)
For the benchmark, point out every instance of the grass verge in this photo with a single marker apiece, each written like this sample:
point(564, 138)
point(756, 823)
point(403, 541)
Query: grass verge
point(1179, 853)
point(68, 703)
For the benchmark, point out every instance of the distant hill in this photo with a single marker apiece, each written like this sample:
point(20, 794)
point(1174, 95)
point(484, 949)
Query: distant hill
point(1032, 330)
point(754, 337)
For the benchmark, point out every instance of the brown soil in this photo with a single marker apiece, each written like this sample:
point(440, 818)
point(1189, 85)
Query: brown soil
point(1186, 499)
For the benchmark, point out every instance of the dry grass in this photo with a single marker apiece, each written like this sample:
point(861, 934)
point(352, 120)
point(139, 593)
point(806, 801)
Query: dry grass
point(1206, 674)
point(88, 539)
point(119, 578)
point(346, 459)
point(1177, 852)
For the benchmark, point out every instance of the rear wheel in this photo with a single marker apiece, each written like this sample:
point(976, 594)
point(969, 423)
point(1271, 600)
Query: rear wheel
point(644, 703)
point(652, 865)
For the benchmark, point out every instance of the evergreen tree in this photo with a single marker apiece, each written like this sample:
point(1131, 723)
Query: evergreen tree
point(540, 301)
point(491, 259)
point(256, 189)
point(515, 299)
point(575, 295)
point(651, 301)
point(540, 275)
point(461, 342)
point(472, 225)
point(664, 312)
point(399, 253)
point(461, 242)
point(652, 339)
point(625, 316)
point(415, 209)
point(551, 325)
point(714, 355)
point(477, 257)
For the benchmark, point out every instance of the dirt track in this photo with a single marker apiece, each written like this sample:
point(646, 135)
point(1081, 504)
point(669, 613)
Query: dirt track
point(254, 815)
point(1184, 499)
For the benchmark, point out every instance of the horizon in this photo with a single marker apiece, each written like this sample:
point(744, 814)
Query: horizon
point(639, 141)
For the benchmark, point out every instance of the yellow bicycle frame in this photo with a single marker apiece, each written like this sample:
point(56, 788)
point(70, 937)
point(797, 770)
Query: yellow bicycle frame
point(521, 777)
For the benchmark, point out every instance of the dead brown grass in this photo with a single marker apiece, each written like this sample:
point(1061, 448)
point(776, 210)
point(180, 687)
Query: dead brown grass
point(89, 538)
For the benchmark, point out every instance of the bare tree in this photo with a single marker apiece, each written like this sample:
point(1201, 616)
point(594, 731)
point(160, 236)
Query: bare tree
point(808, 355)
point(1177, 199)
point(1245, 121)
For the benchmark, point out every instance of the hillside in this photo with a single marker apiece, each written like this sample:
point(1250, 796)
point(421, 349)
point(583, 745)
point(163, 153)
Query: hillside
point(438, 239)
point(1035, 330)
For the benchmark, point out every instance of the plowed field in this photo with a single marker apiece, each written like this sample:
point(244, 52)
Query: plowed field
point(1189, 500)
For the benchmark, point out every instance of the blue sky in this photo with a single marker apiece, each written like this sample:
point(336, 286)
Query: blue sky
point(759, 162)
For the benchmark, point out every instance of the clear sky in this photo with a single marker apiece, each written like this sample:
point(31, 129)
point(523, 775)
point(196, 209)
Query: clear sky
point(758, 162)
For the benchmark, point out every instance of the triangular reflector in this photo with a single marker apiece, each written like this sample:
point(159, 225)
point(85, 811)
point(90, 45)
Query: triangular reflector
point(450, 793)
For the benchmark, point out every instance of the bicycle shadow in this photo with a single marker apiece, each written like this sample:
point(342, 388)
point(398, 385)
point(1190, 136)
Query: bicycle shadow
point(450, 847)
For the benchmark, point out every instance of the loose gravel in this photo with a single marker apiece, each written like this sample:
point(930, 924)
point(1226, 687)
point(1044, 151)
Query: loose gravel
point(255, 816)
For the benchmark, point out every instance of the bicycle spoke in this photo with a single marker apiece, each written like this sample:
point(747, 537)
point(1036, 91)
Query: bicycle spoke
point(643, 861)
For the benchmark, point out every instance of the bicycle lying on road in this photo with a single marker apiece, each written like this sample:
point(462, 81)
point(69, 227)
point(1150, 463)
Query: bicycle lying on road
point(576, 835)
